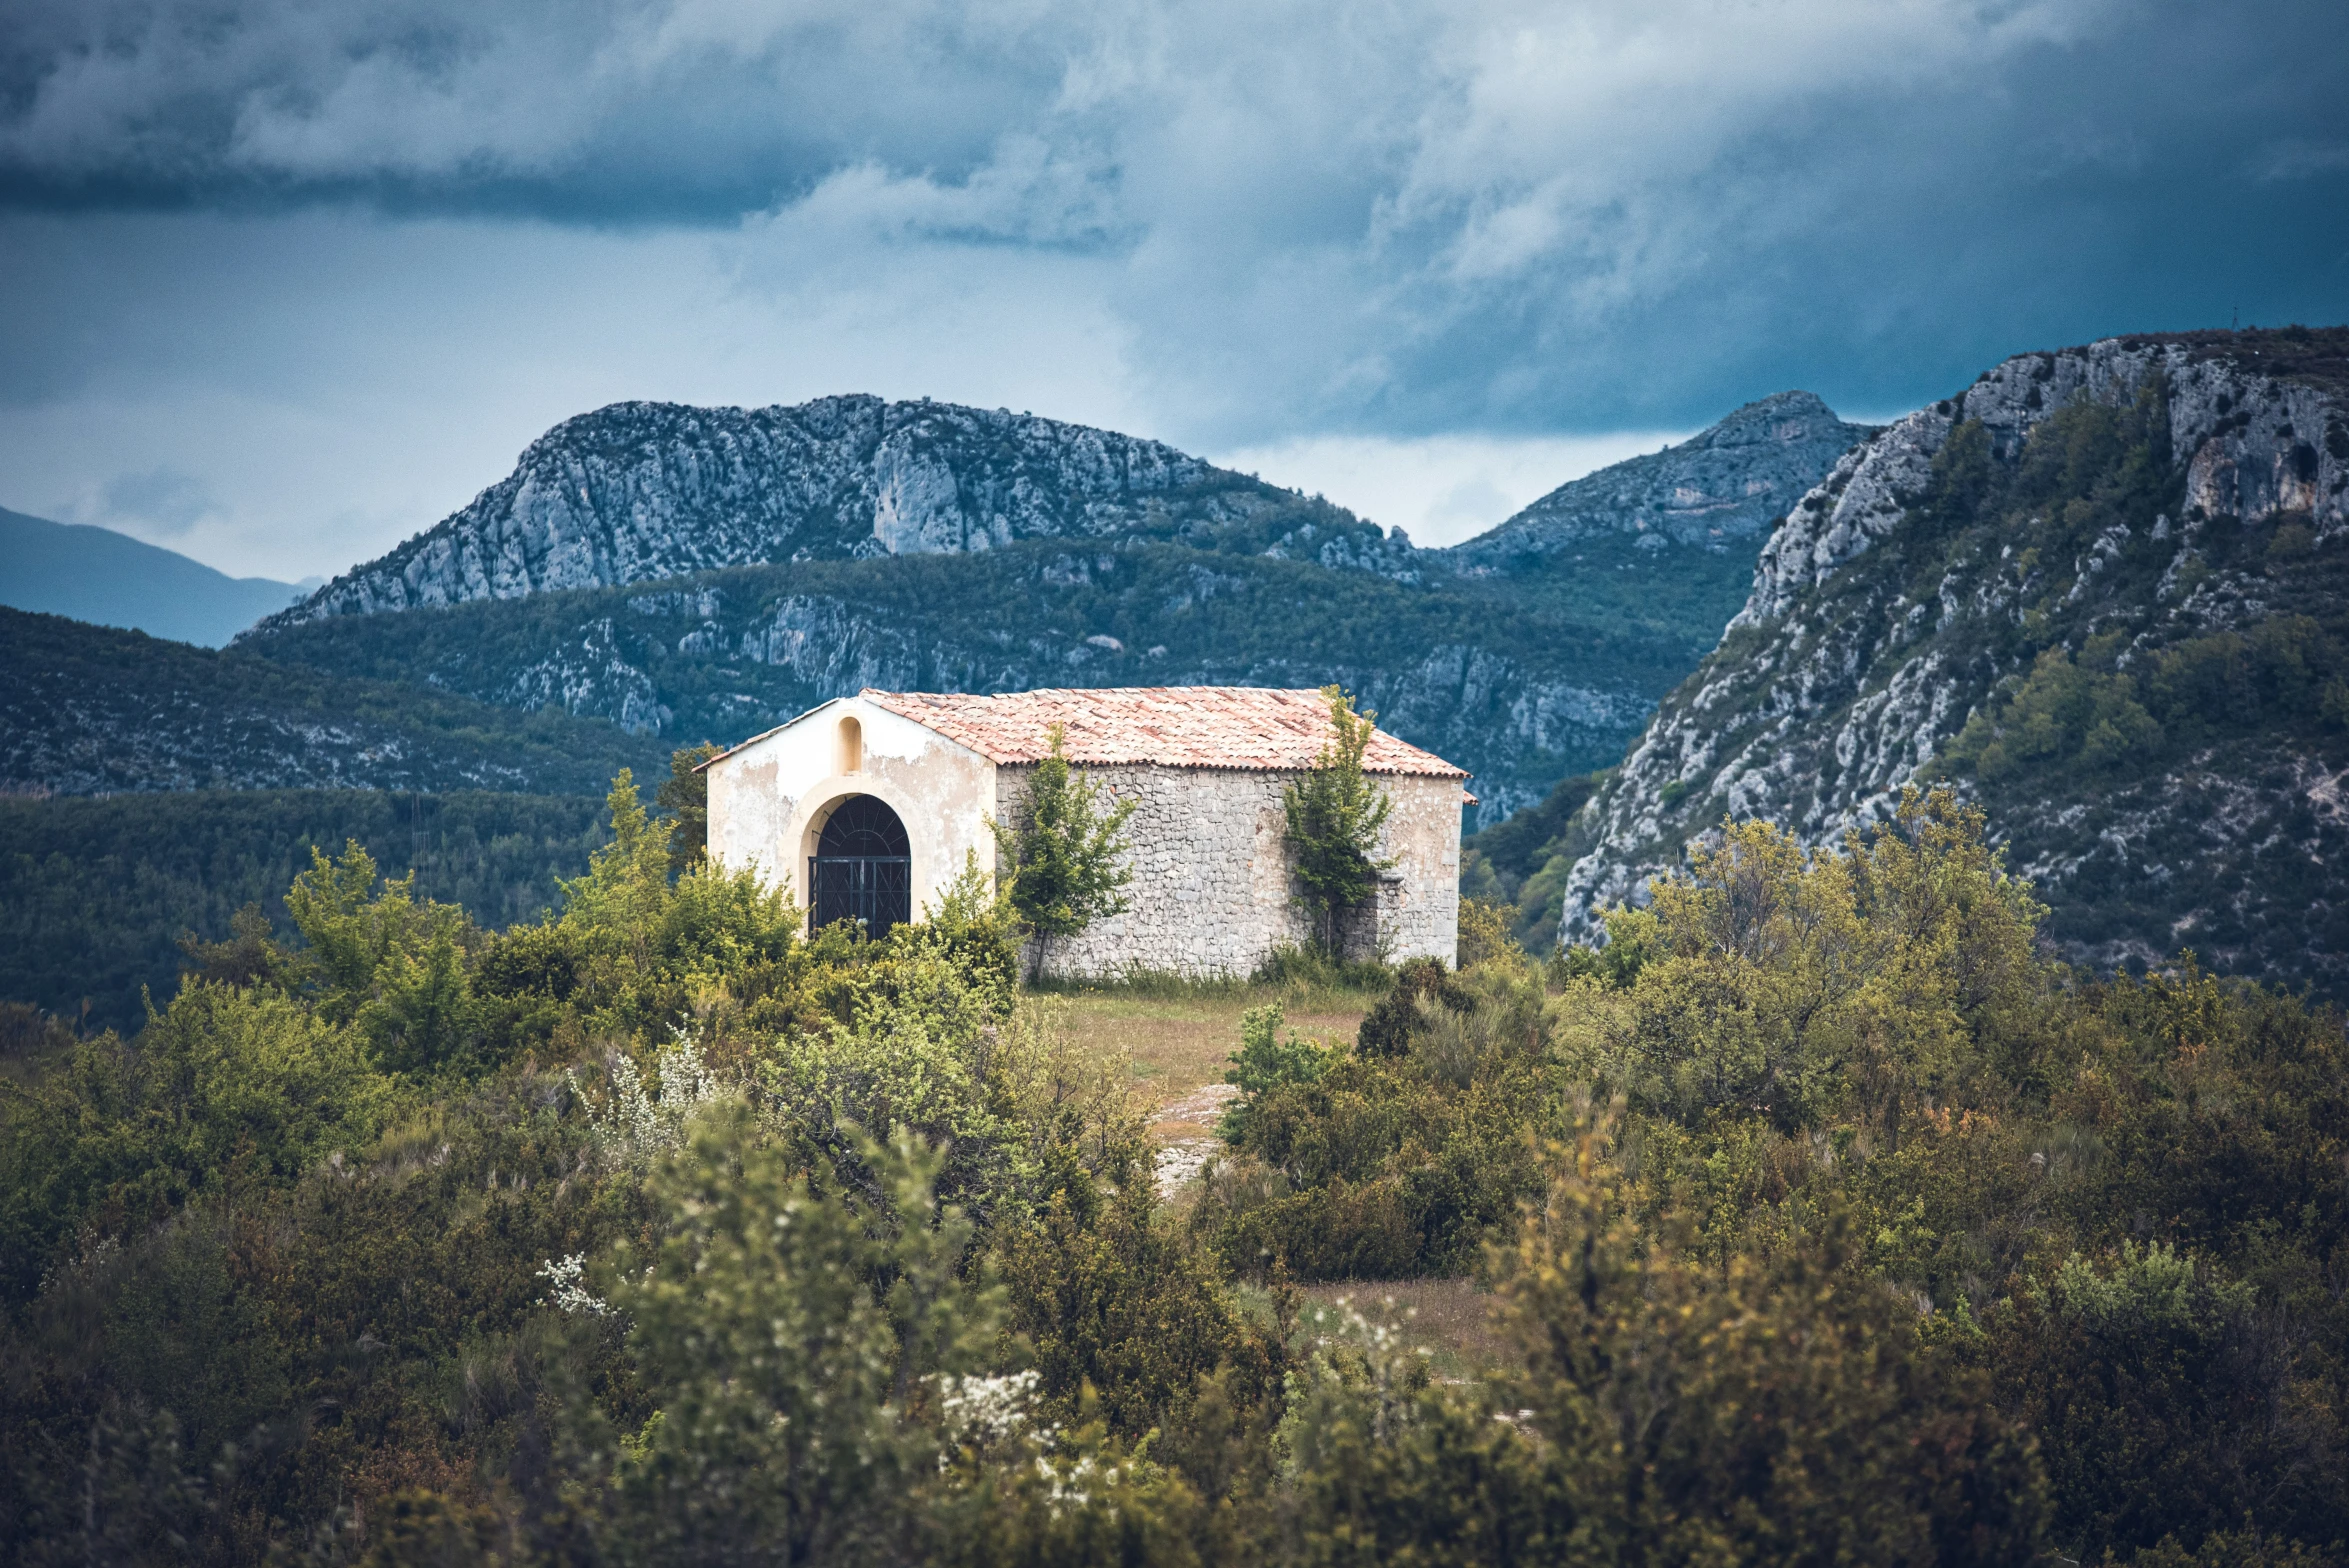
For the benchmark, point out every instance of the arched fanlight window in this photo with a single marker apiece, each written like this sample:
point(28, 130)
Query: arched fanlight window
point(862, 869)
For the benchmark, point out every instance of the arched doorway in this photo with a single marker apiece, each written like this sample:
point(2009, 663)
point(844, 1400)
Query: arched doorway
point(862, 869)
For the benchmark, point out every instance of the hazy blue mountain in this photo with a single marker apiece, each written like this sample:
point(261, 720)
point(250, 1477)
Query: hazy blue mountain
point(111, 579)
point(2104, 591)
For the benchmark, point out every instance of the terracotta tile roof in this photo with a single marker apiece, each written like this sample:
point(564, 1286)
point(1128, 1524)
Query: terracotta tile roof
point(1175, 726)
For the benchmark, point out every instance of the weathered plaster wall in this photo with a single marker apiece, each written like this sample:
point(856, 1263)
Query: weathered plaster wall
point(769, 800)
point(1211, 893)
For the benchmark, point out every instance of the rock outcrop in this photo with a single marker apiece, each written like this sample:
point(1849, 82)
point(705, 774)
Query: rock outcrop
point(1715, 490)
point(1974, 562)
point(638, 492)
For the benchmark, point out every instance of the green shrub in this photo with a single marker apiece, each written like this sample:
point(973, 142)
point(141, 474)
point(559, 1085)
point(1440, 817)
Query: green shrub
point(785, 1335)
point(223, 1086)
point(1267, 1060)
point(1420, 982)
point(1770, 1410)
point(1378, 1167)
point(1116, 1305)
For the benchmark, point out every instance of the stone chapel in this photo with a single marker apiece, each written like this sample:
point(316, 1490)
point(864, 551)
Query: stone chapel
point(866, 807)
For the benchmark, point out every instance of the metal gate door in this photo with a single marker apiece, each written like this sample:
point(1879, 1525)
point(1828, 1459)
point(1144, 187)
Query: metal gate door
point(874, 890)
point(862, 869)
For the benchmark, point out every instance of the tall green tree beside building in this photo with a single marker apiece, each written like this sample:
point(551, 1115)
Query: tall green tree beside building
point(684, 798)
point(1066, 851)
point(1335, 814)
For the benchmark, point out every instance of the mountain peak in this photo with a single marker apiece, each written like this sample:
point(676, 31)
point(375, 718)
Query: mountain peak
point(634, 492)
point(1711, 489)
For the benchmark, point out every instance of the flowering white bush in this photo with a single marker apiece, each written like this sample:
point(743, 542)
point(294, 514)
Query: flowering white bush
point(640, 1123)
point(980, 1412)
point(563, 1275)
point(1070, 1483)
point(1360, 1368)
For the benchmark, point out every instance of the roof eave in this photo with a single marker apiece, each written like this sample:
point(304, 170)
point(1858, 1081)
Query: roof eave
point(706, 765)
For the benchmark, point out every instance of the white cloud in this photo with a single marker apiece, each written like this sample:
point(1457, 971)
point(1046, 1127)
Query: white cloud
point(1438, 489)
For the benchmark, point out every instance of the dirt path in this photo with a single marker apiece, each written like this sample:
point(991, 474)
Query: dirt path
point(1181, 1048)
point(1185, 1131)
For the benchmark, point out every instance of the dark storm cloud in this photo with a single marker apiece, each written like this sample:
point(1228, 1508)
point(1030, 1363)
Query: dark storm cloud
point(1883, 238)
point(576, 109)
point(1388, 216)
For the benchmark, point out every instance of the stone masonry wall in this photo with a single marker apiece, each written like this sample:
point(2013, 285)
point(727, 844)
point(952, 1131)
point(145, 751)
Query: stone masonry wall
point(1419, 903)
point(1211, 892)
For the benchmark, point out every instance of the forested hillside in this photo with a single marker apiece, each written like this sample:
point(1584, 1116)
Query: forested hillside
point(2106, 591)
point(1513, 690)
point(654, 1231)
point(96, 895)
point(88, 710)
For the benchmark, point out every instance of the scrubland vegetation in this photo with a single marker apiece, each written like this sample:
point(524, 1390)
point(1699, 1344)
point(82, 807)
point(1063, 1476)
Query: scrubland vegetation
point(1820, 1216)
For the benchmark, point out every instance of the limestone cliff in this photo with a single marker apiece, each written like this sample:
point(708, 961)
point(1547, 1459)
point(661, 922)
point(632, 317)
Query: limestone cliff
point(2106, 591)
point(641, 491)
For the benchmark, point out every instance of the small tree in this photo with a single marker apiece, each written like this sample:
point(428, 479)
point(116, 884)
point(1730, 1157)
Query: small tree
point(1066, 852)
point(684, 797)
point(1335, 816)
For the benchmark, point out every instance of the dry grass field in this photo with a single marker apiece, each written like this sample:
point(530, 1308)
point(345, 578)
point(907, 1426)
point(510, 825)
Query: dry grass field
point(1180, 1044)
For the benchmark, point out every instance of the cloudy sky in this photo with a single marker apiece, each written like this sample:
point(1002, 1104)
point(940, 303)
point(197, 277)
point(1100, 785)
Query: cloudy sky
point(283, 281)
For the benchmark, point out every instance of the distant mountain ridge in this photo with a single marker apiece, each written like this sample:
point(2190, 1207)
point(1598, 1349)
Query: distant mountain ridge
point(1724, 485)
point(110, 579)
point(2105, 590)
point(91, 710)
point(641, 492)
point(703, 573)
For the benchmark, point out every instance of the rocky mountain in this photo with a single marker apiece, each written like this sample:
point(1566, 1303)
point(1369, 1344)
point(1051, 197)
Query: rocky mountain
point(2105, 591)
point(639, 492)
point(1717, 491)
point(89, 710)
point(111, 579)
point(704, 573)
point(1450, 665)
